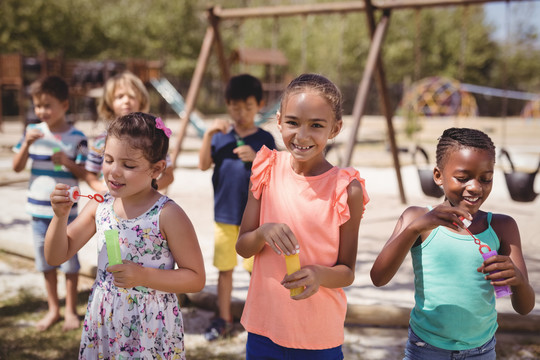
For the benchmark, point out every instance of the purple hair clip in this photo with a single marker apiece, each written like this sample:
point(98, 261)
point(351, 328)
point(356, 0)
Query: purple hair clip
point(161, 125)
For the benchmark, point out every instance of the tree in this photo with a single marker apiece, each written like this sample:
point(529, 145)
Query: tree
point(62, 27)
point(452, 41)
point(100, 29)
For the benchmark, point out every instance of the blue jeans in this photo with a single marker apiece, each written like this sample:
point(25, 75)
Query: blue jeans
point(39, 229)
point(417, 349)
point(262, 348)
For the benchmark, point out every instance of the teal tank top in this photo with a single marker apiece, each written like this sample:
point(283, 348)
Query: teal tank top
point(454, 305)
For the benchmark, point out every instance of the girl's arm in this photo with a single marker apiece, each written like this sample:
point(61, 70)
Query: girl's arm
point(62, 241)
point(342, 273)
point(415, 222)
point(511, 264)
point(348, 240)
point(188, 278)
point(248, 243)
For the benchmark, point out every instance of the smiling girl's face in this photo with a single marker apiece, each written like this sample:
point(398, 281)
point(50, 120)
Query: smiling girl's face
point(306, 123)
point(466, 177)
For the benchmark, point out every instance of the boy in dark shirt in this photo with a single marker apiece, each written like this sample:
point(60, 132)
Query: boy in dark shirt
point(231, 147)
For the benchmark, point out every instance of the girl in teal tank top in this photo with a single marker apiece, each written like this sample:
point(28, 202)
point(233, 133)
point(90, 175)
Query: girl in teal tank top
point(454, 308)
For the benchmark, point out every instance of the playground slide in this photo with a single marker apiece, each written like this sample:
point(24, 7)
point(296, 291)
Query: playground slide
point(173, 97)
point(176, 100)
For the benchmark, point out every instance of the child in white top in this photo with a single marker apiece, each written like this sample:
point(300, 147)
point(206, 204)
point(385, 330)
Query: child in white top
point(57, 152)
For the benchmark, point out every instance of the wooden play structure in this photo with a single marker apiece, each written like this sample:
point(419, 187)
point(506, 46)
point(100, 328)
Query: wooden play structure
point(18, 71)
point(272, 60)
point(11, 79)
point(373, 68)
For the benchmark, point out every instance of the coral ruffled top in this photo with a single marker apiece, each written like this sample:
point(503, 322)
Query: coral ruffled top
point(314, 208)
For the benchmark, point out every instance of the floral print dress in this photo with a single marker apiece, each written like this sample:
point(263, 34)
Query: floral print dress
point(133, 323)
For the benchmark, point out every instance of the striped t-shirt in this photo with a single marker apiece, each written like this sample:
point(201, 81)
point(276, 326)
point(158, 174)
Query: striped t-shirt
point(94, 162)
point(44, 176)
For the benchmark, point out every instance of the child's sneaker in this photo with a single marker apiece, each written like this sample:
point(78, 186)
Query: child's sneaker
point(218, 328)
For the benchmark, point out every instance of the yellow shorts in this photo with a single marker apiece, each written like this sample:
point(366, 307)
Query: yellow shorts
point(225, 256)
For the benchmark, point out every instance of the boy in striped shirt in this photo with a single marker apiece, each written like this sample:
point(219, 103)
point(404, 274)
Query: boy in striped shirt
point(57, 151)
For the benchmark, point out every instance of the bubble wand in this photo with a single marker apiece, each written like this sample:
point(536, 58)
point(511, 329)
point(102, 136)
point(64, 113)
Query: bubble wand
point(113, 247)
point(500, 290)
point(57, 167)
point(75, 194)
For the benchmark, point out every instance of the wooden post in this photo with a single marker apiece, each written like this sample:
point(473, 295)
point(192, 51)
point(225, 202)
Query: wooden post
point(363, 87)
point(386, 107)
point(223, 65)
point(194, 87)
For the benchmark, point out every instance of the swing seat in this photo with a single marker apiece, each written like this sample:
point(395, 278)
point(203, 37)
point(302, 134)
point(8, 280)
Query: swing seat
point(429, 187)
point(520, 183)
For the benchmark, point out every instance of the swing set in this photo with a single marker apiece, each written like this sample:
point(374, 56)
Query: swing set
point(373, 68)
point(440, 96)
point(429, 98)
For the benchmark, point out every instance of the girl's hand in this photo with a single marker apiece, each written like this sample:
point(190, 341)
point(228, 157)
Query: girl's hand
point(245, 153)
point(507, 272)
point(127, 274)
point(60, 202)
point(442, 215)
point(305, 277)
point(280, 238)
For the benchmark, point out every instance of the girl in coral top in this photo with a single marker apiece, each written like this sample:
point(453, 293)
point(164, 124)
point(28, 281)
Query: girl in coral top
point(300, 203)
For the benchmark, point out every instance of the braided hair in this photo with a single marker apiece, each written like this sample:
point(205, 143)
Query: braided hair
point(456, 138)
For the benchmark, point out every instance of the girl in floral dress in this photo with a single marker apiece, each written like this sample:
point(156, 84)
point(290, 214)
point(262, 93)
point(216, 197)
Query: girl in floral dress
point(133, 311)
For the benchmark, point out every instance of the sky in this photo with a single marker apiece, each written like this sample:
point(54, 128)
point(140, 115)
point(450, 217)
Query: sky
point(521, 12)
